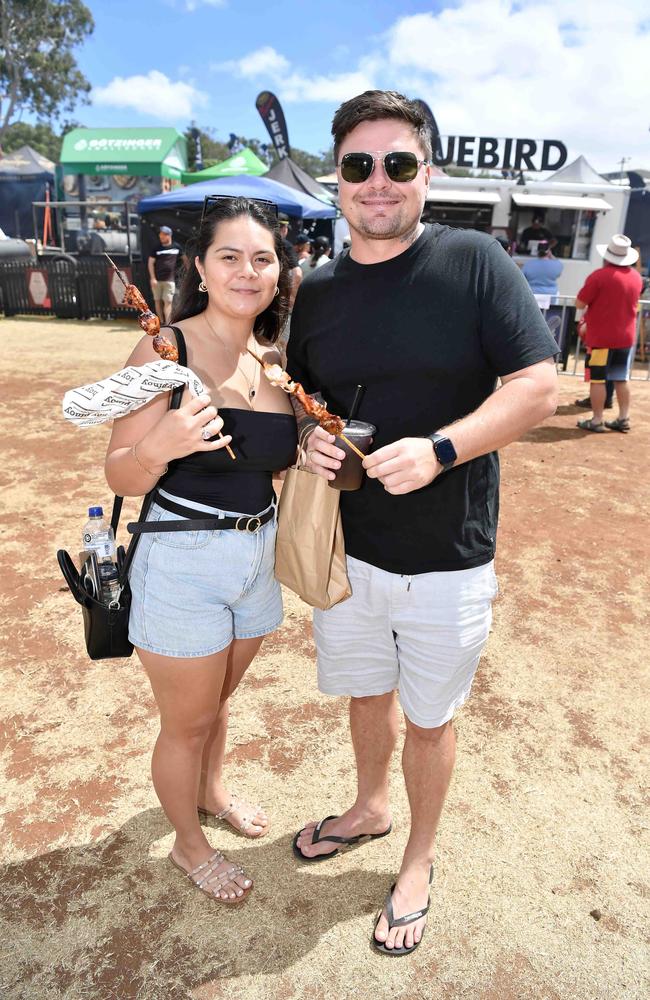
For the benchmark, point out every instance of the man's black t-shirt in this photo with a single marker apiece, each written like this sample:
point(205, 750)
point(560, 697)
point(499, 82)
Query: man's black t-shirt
point(165, 261)
point(427, 333)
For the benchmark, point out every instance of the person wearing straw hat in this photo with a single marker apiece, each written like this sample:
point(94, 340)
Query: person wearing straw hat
point(611, 297)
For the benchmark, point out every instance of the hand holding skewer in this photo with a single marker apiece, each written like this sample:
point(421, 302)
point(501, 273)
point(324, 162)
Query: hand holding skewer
point(328, 421)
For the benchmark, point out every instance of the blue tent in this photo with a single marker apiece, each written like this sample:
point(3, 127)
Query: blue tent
point(290, 201)
point(24, 178)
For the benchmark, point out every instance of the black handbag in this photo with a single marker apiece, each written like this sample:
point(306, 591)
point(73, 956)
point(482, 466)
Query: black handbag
point(106, 629)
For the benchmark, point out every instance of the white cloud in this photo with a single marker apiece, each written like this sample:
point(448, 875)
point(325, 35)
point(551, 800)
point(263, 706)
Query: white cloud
point(563, 69)
point(192, 5)
point(154, 94)
point(338, 87)
point(262, 62)
point(268, 65)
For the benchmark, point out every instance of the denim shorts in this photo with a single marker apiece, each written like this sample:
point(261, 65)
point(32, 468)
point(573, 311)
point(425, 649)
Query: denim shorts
point(193, 592)
point(421, 635)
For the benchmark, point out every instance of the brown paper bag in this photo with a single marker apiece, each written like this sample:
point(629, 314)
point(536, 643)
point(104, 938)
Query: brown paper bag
point(309, 548)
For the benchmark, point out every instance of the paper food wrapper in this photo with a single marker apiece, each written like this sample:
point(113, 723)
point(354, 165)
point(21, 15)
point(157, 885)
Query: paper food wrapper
point(126, 391)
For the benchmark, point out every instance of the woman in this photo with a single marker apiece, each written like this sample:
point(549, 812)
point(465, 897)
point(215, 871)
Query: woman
point(542, 272)
point(320, 250)
point(203, 600)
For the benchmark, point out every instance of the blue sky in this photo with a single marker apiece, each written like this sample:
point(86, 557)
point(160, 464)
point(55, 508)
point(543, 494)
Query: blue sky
point(574, 70)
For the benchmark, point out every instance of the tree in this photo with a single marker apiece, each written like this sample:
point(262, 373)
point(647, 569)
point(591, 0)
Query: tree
point(214, 151)
point(38, 70)
point(40, 137)
point(315, 165)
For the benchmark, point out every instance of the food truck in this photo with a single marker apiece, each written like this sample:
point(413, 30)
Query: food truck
point(102, 175)
point(576, 205)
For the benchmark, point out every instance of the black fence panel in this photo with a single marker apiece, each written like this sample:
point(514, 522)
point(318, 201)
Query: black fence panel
point(11, 286)
point(69, 287)
point(63, 289)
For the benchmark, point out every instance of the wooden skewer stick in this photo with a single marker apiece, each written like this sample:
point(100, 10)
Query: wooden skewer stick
point(117, 271)
point(341, 435)
point(228, 448)
point(353, 446)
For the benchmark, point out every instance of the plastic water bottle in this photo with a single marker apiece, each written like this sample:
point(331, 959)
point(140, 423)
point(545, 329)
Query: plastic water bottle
point(98, 537)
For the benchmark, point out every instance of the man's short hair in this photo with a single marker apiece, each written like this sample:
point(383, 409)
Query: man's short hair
point(377, 105)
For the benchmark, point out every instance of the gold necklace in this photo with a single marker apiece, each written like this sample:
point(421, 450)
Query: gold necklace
point(252, 392)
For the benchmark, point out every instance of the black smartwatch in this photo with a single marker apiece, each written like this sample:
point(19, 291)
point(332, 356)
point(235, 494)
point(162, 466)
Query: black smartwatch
point(444, 450)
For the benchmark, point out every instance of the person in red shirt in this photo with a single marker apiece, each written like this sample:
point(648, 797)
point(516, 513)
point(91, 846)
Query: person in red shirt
point(611, 296)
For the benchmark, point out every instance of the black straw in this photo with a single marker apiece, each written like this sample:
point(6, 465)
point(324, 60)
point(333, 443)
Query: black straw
point(356, 402)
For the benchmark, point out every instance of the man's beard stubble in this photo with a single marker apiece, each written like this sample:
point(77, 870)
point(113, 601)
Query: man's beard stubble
point(396, 228)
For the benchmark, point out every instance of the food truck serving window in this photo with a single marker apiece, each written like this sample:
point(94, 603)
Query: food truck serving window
point(566, 221)
point(460, 209)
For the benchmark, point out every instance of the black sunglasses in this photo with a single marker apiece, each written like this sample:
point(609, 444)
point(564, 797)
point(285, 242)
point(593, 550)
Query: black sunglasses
point(400, 166)
point(212, 200)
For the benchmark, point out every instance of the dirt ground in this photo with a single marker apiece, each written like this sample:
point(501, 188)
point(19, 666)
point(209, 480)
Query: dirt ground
point(541, 884)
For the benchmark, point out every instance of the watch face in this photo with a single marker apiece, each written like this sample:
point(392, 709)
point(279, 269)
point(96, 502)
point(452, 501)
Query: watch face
point(445, 452)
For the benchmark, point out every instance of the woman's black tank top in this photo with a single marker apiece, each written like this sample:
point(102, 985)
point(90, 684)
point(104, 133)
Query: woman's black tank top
point(263, 443)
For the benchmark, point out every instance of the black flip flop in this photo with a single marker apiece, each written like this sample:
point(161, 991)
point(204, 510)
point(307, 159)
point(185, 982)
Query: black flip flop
point(410, 918)
point(347, 843)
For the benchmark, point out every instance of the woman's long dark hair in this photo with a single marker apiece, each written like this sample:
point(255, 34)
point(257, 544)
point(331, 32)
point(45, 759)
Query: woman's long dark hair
point(190, 301)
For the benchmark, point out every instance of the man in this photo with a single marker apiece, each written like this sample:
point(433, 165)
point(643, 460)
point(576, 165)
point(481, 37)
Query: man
point(611, 297)
point(536, 231)
point(426, 318)
point(162, 265)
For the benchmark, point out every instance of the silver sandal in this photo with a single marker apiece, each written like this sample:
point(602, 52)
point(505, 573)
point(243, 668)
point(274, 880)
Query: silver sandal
point(212, 883)
point(246, 823)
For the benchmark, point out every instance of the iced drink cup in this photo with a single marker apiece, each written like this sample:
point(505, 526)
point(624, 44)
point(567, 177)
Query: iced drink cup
point(350, 475)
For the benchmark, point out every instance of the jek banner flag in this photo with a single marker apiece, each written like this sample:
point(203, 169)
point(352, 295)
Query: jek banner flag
point(273, 117)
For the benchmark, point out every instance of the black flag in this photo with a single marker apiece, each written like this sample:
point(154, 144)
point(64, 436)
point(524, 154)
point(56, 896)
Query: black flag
point(198, 152)
point(273, 117)
point(435, 131)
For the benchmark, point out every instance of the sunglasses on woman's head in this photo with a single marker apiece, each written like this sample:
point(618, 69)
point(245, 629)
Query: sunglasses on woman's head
point(212, 200)
point(399, 166)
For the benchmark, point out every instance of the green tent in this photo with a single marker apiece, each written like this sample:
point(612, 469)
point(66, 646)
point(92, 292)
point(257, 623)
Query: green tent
point(240, 163)
point(144, 152)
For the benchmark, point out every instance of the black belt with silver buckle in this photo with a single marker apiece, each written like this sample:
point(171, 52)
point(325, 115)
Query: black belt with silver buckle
point(248, 523)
